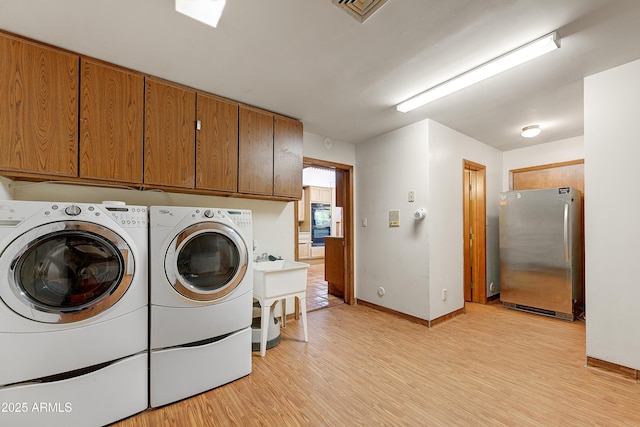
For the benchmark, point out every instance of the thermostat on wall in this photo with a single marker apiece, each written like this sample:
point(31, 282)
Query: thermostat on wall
point(394, 218)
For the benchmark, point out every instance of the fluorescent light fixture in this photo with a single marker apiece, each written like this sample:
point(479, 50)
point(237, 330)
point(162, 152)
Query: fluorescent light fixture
point(496, 66)
point(206, 11)
point(531, 131)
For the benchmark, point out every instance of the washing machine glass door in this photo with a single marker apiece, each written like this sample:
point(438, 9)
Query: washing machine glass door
point(66, 271)
point(206, 261)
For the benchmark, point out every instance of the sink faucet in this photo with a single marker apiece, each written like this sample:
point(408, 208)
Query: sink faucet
point(263, 257)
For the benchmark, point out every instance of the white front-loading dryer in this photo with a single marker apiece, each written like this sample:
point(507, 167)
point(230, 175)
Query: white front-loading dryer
point(73, 311)
point(201, 293)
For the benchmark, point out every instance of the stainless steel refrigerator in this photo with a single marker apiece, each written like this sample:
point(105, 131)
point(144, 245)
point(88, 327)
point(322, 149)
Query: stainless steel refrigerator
point(541, 251)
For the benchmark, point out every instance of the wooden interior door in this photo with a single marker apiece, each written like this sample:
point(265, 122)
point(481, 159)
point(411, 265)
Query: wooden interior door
point(474, 217)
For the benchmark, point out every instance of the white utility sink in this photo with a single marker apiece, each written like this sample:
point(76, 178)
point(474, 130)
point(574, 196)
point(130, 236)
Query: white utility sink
point(276, 281)
point(280, 277)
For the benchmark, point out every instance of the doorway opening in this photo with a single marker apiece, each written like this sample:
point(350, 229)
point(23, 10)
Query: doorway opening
point(324, 232)
point(474, 217)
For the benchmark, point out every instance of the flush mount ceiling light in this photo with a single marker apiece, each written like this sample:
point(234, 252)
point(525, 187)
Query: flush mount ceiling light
point(206, 11)
point(489, 69)
point(531, 131)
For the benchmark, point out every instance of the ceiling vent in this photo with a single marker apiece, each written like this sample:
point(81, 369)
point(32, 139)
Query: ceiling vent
point(360, 9)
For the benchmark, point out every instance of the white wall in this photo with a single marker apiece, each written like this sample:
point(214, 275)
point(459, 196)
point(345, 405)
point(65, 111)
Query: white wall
point(6, 189)
point(339, 152)
point(447, 151)
point(394, 258)
point(612, 150)
point(417, 260)
point(553, 152)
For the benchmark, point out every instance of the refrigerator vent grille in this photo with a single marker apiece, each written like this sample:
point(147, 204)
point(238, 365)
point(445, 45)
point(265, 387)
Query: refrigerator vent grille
point(542, 311)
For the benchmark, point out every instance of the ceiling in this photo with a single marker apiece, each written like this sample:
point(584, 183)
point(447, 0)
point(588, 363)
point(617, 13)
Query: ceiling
point(313, 61)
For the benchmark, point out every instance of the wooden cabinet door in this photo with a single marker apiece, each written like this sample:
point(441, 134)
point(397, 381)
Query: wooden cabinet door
point(169, 134)
point(255, 152)
point(111, 123)
point(334, 265)
point(217, 144)
point(287, 157)
point(320, 194)
point(38, 108)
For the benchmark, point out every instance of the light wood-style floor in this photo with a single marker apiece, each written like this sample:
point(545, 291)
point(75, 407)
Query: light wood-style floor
point(489, 367)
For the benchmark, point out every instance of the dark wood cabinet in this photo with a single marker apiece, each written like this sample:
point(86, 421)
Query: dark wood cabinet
point(255, 155)
point(216, 144)
point(66, 116)
point(38, 108)
point(270, 154)
point(111, 123)
point(169, 134)
point(334, 262)
point(287, 157)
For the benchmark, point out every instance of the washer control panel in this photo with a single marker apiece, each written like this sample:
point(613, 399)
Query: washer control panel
point(128, 216)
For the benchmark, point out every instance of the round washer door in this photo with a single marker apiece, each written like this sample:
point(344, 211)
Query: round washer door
point(206, 261)
point(66, 271)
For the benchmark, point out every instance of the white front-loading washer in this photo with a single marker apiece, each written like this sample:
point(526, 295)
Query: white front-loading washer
point(201, 286)
point(73, 312)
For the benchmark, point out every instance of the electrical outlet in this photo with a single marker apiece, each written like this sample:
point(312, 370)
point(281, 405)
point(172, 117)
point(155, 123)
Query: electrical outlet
point(412, 196)
point(444, 295)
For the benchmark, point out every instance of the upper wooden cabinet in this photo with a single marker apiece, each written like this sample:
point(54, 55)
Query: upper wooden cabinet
point(169, 134)
point(270, 154)
point(216, 144)
point(320, 194)
point(287, 157)
point(38, 108)
point(255, 152)
point(73, 117)
point(111, 123)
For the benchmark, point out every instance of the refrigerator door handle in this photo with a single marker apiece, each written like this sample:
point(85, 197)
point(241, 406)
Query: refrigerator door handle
point(566, 233)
